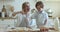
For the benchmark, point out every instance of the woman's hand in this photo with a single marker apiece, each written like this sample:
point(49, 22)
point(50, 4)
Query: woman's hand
point(13, 14)
point(44, 29)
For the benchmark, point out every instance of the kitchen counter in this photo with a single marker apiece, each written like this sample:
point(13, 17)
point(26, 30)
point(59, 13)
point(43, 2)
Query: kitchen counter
point(23, 29)
point(7, 18)
point(7, 22)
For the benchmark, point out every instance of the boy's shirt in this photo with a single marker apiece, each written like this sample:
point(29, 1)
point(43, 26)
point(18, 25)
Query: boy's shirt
point(40, 17)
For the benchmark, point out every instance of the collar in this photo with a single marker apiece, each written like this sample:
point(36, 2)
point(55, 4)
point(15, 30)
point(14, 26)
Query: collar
point(40, 11)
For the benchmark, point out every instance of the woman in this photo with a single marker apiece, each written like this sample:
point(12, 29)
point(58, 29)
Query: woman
point(24, 17)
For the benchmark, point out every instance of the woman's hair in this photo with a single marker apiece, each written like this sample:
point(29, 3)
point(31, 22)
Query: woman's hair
point(39, 3)
point(24, 4)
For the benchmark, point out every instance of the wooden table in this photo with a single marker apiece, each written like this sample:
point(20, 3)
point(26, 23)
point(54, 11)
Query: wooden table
point(23, 30)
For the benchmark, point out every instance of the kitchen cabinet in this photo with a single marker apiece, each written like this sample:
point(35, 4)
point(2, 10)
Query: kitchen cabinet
point(7, 22)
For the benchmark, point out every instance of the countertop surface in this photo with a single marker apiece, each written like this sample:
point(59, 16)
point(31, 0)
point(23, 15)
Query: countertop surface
point(22, 28)
point(7, 18)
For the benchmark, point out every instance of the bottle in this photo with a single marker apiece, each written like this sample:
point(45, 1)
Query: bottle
point(3, 14)
point(3, 11)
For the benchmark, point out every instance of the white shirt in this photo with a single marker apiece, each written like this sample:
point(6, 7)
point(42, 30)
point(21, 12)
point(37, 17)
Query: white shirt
point(21, 21)
point(40, 17)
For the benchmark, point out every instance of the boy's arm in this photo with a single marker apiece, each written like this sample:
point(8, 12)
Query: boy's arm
point(46, 19)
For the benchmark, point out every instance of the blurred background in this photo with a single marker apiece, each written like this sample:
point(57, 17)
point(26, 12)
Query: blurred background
point(52, 7)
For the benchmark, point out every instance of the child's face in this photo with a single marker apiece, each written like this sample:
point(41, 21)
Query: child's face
point(39, 8)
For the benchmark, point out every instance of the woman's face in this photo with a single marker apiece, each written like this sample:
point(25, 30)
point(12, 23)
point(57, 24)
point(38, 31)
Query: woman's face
point(27, 7)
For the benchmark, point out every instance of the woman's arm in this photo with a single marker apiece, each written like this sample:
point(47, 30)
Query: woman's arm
point(17, 13)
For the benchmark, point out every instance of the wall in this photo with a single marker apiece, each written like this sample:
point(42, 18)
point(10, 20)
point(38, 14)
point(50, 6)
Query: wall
point(55, 7)
point(17, 4)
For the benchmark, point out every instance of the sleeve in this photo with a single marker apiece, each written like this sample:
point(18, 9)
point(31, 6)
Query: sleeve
point(45, 18)
point(32, 22)
point(33, 16)
point(19, 19)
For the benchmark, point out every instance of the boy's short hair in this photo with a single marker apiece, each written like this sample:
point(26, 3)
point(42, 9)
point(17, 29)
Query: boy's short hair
point(39, 3)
